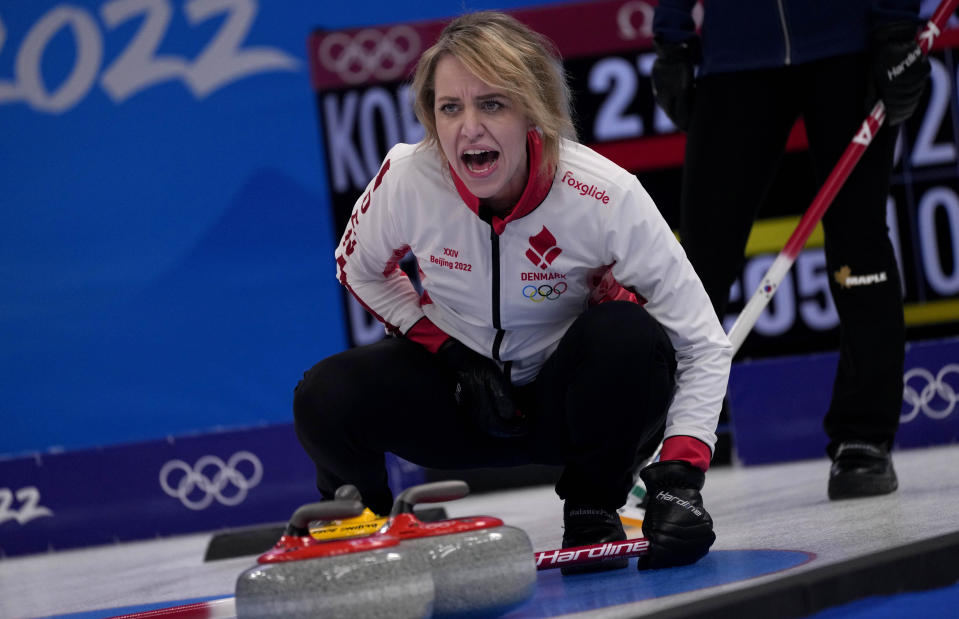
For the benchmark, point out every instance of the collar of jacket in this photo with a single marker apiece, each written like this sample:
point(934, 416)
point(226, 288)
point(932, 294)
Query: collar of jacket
point(537, 186)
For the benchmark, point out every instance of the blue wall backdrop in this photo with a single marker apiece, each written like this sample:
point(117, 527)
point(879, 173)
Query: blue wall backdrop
point(165, 234)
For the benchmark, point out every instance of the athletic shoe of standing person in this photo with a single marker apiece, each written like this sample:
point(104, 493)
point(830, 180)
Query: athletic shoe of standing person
point(861, 469)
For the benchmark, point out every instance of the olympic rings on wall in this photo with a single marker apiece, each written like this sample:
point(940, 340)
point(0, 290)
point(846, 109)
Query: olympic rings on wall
point(921, 398)
point(543, 292)
point(370, 53)
point(212, 487)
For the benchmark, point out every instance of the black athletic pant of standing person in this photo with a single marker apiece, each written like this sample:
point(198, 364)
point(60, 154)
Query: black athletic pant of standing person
point(601, 395)
point(736, 138)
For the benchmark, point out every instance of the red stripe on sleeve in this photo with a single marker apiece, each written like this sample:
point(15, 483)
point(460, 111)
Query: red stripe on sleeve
point(389, 327)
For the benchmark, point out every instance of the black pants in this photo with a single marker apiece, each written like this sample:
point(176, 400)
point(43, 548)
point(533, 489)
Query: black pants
point(737, 135)
point(599, 399)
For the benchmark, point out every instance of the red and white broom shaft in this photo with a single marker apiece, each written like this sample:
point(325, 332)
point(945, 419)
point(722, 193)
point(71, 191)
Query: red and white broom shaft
point(223, 608)
point(854, 151)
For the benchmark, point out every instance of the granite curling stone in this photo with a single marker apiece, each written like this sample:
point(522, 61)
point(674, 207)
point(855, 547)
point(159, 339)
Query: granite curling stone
point(480, 566)
point(368, 577)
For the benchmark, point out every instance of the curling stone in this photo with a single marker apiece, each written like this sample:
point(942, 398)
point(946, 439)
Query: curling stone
point(480, 566)
point(364, 577)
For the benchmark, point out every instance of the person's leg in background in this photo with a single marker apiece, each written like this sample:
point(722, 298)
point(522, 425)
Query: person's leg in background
point(737, 135)
point(736, 139)
point(864, 280)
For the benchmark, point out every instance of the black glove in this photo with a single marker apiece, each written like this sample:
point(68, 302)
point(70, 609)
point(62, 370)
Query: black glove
point(676, 524)
point(900, 69)
point(674, 80)
point(482, 391)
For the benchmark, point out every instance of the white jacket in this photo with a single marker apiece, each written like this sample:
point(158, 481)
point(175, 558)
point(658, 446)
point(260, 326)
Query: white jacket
point(511, 290)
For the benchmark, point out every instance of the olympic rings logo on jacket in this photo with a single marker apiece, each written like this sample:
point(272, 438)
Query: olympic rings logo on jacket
point(544, 292)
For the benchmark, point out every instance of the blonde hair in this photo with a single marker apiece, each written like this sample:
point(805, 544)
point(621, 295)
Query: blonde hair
point(508, 56)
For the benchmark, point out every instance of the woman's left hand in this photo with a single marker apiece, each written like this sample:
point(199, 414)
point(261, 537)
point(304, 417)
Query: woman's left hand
point(678, 527)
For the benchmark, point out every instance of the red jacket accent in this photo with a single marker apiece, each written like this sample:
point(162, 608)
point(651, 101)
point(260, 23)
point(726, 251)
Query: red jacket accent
point(426, 334)
point(687, 448)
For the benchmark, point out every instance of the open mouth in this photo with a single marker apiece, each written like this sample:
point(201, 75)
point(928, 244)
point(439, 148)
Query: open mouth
point(479, 161)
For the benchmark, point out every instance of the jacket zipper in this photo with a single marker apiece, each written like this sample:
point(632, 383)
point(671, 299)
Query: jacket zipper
point(497, 324)
point(782, 22)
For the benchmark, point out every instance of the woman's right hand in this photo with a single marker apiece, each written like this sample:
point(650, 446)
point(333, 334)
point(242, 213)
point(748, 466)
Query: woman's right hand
point(482, 391)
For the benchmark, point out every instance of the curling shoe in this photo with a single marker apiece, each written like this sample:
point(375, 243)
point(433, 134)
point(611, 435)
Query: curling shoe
point(585, 525)
point(861, 469)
